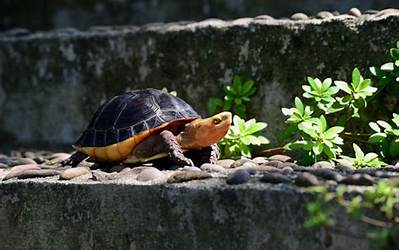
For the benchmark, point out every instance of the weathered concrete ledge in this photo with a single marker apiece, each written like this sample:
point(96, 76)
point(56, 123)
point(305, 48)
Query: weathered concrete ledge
point(208, 214)
point(51, 83)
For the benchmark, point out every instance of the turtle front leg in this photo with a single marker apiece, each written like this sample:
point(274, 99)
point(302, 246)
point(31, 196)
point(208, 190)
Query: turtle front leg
point(174, 150)
point(74, 159)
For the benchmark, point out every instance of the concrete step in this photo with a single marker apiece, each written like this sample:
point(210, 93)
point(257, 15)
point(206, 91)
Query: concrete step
point(52, 82)
point(209, 214)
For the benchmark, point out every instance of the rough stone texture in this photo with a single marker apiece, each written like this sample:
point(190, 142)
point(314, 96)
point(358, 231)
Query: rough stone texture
point(204, 214)
point(51, 83)
point(48, 14)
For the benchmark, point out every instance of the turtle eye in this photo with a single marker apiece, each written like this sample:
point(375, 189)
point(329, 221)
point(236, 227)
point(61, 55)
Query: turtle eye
point(217, 121)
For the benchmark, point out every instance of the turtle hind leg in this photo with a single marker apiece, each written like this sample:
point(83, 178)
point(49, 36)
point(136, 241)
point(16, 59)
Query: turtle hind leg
point(74, 159)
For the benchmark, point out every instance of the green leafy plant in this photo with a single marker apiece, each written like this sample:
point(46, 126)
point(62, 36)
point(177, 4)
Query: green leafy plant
point(318, 139)
point(340, 103)
point(240, 136)
point(363, 160)
point(236, 95)
point(383, 198)
point(386, 137)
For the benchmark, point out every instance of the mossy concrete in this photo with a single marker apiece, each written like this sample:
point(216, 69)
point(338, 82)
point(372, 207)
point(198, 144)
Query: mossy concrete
point(208, 214)
point(51, 83)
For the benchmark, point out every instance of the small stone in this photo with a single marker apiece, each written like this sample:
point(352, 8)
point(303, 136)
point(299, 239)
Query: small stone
point(371, 12)
point(287, 170)
point(238, 177)
point(190, 168)
point(17, 32)
point(287, 164)
point(240, 162)
point(358, 179)
point(260, 160)
point(98, 175)
point(336, 13)
point(149, 174)
point(354, 12)
point(387, 12)
point(282, 158)
point(384, 174)
point(17, 170)
point(325, 14)
point(73, 173)
point(29, 155)
point(273, 163)
point(213, 168)
point(22, 161)
point(275, 178)
point(323, 164)
point(258, 169)
point(344, 166)
point(6, 160)
point(327, 174)
point(264, 17)
point(2, 165)
point(226, 163)
point(306, 180)
point(183, 176)
point(299, 16)
point(33, 173)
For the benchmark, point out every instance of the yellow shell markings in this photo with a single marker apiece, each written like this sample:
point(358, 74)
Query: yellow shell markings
point(121, 151)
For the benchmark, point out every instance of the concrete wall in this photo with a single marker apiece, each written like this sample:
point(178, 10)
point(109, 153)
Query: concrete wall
point(51, 83)
point(196, 215)
point(48, 14)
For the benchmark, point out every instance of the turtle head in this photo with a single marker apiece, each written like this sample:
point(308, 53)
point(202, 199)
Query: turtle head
point(205, 132)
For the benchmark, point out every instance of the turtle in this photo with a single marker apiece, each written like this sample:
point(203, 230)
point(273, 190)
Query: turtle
point(149, 124)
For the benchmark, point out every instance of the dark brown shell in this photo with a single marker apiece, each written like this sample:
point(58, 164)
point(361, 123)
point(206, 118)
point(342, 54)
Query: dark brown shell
point(127, 115)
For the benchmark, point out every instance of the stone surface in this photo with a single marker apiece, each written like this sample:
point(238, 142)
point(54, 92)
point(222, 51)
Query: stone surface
point(358, 179)
point(275, 178)
point(299, 16)
point(213, 168)
point(325, 14)
point(226, 163)
point(279, 157)
point(149, 174)
point(36, 214)
point(239, 176)
point(69, 74)
point(184, 176)
point(306, 180)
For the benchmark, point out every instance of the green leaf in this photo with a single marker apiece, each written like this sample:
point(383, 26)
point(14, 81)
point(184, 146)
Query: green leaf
point(333, 132)
point(394, 149)
point(325, 84)
point(384, 125)
point(214, 105)
point(312, 83)
point(370, 156)
point(322, 122)
point(317, 149)
point(287, 111)
point(255, 128)
point(356, 78)
point(359, 153)
point(262, 139)
point(377, 137)
point(343, 86)
point(387, 67)
point(374, 127)
point(364, 84)
point(306, 128)
point(298, 104)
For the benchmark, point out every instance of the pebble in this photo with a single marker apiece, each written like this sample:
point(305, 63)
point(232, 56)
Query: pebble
point(190, 168)
point(17, 170)
point(282, 158)
point(71, 173)
point(264, 17)
point(2, 165)
point(325, 14)
point(240, 162)
point(287, 170)
point(344, 166)
point(238, 177)
point(260, 160)
point(22, 161)
point(226, 163)
point(299, 16)
point(258, 169)
point(33, 173)
point(323, 164)
point(275, 178)
point(306, 180)
point(117, 168)
point(6, 160)
point(149, 174)
point(358, 179)
point(213, 168)
point(370, 12)
point(98, 175)
point(273, 163)
point(354, 12)
point(388, 12)
point(183, 176)
point(327, 174)
point(287, 164)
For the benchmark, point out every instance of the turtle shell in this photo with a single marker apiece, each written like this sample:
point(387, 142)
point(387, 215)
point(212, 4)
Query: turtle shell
point(131, 114)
